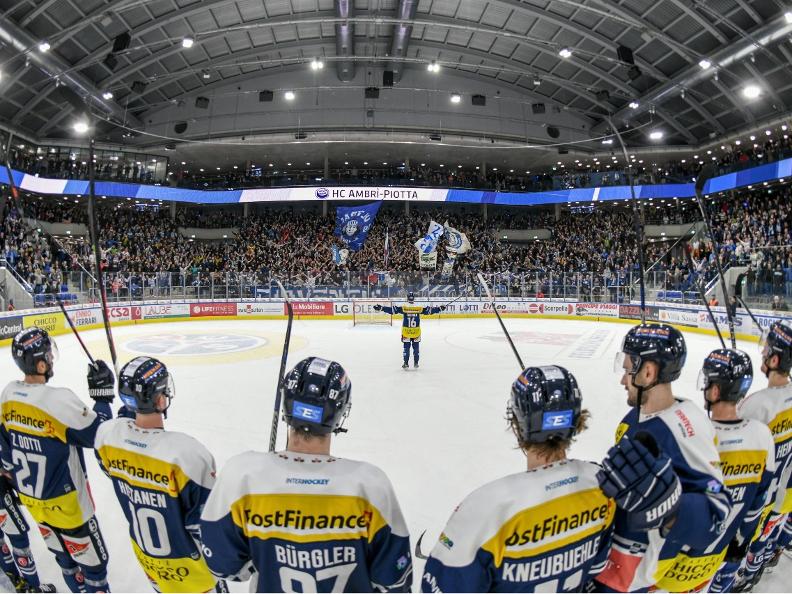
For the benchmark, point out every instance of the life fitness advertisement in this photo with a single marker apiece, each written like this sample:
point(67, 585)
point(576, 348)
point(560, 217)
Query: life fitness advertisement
point(310, 308)
point(208, 310)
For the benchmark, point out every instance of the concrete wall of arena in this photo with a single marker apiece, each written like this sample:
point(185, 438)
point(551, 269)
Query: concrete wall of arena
point(87, 317)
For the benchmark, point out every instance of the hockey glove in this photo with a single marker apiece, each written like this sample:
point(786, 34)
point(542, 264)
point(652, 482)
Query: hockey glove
point(643, 483)
point(443, 307)
point(377, 307)
point(101, 382)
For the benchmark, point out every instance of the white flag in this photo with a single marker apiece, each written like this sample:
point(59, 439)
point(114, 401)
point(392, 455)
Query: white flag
point(428, 243)
point(457, 242)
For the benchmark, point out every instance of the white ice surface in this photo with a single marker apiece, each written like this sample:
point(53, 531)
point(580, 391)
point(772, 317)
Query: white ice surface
point(438, 431)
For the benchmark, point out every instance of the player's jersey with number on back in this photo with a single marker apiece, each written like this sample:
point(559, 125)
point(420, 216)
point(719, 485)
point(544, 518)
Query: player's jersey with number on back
point(748, 465)
point(411, 318)
point(773, 407)
point(162, 480)
point(681, 560)
point(306, 523)
point(545, 530)
point(42, 434)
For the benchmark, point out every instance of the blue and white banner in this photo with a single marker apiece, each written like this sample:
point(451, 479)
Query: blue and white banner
point(456, 241)
point(112, 189)
point(428, 243)
point(448, 265)
point(353, 223)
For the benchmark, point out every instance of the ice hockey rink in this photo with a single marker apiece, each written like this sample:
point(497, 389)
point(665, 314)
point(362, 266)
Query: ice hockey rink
point(438, 431)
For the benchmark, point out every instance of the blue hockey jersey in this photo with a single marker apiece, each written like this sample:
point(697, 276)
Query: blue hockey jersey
point(544, 530)
point(162, 480)
point(42, 433)
point(679, 560)
point(306, 523)
point(411, 318)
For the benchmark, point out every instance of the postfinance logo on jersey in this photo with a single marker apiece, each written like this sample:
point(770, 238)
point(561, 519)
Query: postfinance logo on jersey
point(742, 466)
point(307, 518)
point(25, 418)
point(552, 525)
point(142, 471)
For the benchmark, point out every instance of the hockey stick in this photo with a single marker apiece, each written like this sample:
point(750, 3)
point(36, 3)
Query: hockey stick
point(637, 222)
point(284, 355)
point(453, 301)
point(703, 297)
point(703, 176)
point(762, 331)
point(503, 327)
point(74, 330)
point(418, 552)
point(93, 230)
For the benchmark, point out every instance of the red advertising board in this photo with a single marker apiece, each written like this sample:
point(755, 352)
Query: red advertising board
point(203, 310)
point(310, 308)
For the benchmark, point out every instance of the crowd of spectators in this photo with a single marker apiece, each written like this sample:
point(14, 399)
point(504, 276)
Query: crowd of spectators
point(593, 249)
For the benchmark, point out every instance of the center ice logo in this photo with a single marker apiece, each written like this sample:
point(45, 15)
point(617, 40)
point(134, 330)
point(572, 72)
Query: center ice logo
point(194, 344)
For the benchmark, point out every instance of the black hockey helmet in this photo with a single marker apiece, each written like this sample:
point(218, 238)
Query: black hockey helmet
point(410, 297)
point(316, 396)
point(31, 346)
point(660, 343)
point(545, 404)
point(730, 370)
point(778, 341)
point(141, 381)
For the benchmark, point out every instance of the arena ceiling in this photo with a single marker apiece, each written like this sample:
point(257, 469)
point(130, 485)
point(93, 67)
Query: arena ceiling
point(693, 61)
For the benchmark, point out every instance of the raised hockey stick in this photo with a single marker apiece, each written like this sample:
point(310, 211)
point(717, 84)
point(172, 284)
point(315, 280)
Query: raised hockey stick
point(453, 301)
point(93, 230)
point(705, 174)
point(638, 226)
point(762, 331)
point(703, 297)
point(284, 355)
point(74, 330)
point(503, 327)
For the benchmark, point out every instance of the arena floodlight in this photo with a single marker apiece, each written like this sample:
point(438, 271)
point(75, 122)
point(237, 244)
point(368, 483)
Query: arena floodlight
point(656, 135)
point(751, 92)
point(316, 64)
point(80, 126)
point(565, 53)
point(289, 95)
point(456, 98)
point(705, 64)
point(634, 105)
point(188, 42)
point(107, 95)
point(44, 47)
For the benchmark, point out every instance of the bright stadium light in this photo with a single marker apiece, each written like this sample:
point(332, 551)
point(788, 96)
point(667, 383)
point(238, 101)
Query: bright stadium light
point(565, 53)
point(456, 98)
point(751, 92)
point(705, 64)
point(188, 42)
point(289, 95)
point(81, 127)
point(433, 67)
point(788, 16)
point(107, 95)
point(316, 64)
point(44, 47)
point(634, 105)
point(656, 135)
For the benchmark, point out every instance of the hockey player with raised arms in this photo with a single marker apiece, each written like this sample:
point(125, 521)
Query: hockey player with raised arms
point(302, 520)
point(773, 407)
point(746, 453)
point(663, 473)
point(544, 530)
point(162, 480)
point(42, 434)
point(411, 325)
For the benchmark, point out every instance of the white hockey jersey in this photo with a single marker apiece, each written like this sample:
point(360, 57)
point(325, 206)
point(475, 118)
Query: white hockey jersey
point(162, 480)
point(748, 465)
point(544, 530)
point(42, 433)
point(681, 560)
point(773, 407)
point(306, 523)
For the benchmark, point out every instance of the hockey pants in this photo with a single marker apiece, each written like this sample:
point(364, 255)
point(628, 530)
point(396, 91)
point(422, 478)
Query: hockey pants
point(81, 554)
point(724, 579)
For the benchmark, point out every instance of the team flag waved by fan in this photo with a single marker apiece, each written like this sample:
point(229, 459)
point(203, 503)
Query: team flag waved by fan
point(340, 255)
point(456, 241)
point(428, 243)
point(387, 248)
point(353, 223)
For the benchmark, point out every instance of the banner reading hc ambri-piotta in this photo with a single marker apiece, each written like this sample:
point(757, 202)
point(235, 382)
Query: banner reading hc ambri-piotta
point(353, 223)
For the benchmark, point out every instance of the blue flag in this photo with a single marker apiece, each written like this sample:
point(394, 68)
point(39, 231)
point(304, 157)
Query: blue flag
point(353, 223)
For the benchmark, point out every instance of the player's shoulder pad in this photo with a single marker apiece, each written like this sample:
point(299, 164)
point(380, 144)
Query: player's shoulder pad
point(66, 407)
point(765, 404)
point(192, 457)
point(232, 482)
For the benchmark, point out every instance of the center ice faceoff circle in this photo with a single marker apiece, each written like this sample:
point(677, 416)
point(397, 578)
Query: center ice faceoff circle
point(174, 344)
